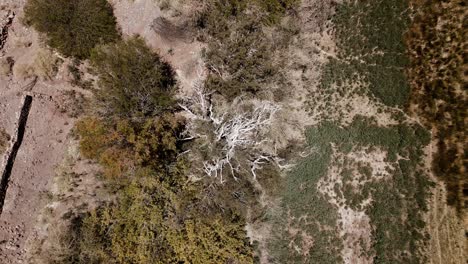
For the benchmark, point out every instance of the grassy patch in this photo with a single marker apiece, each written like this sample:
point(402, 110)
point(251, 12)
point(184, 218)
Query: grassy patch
point(396, 212)
point(371, 49)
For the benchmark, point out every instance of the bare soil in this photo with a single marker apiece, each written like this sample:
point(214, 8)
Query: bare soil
point(44, 140)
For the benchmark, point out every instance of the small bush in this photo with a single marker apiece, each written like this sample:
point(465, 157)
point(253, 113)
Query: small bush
point(46, 64)
point(6, 65)
point(73, 27)
point(240, 56)
point(23, 71)
point(240, 63)
point(134, 81)
point(4, 139)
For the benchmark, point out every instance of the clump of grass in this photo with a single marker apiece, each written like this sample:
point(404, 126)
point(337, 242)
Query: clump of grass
point(240, 56)
point(6, 66)
point(44, 65)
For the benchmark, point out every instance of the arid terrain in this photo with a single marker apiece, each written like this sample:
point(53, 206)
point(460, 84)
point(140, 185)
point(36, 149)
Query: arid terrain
point(301, 147)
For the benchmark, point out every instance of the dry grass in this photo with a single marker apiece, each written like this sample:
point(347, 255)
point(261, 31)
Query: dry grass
point(5, 67)
point(44, 65)
point(4, 139)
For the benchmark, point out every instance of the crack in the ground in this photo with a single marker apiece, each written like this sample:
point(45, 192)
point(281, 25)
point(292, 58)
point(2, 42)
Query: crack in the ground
point(17, 141)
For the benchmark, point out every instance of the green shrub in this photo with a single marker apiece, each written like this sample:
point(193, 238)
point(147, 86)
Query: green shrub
point(240, 63)
point(119, 144)
point(151, 222)
point(134, 81)
point(239, 55)
point(73, 27)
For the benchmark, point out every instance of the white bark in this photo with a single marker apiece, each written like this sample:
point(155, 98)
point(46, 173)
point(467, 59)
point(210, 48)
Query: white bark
point(240, 127)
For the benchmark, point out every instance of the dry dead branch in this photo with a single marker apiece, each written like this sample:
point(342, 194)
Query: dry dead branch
point(236, 134)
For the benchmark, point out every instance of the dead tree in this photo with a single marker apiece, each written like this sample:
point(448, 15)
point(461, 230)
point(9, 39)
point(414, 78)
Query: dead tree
point(235, 134)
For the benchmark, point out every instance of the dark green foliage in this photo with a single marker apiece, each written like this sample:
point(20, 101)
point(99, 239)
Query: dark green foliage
point(275, 9)
point(74, 28)
point(371, 48)
point(134, 81)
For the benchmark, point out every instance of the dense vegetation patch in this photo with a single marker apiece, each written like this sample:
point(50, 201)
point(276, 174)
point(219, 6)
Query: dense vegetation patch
point(158, 215)
point(120, 144)
point(398, 203)
point(371, 49)
point(134, 82)
point(154, 221)
point(240, 56)
point(74, 28)
point(436, 43)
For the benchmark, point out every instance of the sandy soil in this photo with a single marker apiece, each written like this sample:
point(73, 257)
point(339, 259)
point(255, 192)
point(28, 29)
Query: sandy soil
point(46, 131)
point(46, 138)
point(183, 53)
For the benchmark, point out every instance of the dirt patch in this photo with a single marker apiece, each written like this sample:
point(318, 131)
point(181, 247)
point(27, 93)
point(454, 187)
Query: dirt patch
point(74, 190)
point(44, 138)
point(15, 146)
point(164, 34)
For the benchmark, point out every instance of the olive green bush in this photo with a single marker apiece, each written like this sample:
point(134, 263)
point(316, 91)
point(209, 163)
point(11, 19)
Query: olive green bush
point(151, 223)
point(240, 56)
point(134, 81)
point(74, 28)
point(120, 144)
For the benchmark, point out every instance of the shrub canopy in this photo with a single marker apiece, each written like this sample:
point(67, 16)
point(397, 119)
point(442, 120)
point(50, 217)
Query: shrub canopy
point(134, 81)
point(73, 27)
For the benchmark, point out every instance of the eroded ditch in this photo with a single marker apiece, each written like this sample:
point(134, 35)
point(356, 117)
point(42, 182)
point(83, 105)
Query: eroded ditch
point(17, 140)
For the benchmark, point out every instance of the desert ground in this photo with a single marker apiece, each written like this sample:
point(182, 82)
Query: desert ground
point(329, 188)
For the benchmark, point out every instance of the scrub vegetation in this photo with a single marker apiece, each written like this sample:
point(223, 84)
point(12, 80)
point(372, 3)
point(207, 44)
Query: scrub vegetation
point(438, 80)
point(193, 177)
point(370, 50)
point(134, 82)
point(398, 223)
point(4, 139)
point(158, 210)
point(370, 62)
point(240, 57)
point(73, 28)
